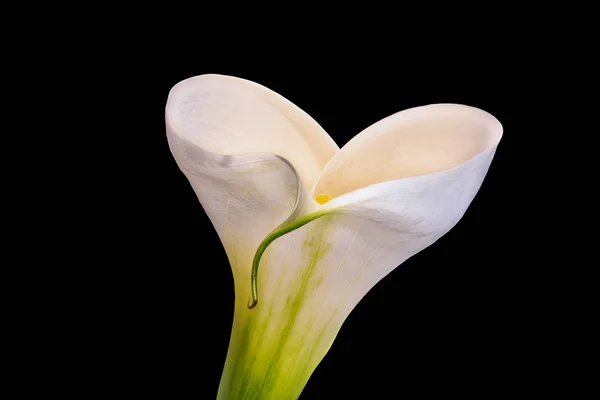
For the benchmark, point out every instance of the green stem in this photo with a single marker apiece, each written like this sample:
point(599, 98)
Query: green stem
point(282, 230)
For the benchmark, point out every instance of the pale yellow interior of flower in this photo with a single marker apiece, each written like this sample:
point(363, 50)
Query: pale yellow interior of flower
point(228, 115)
point(414, 142)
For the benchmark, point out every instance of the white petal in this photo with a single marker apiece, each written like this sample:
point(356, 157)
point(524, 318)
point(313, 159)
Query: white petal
point(228, 115)
point(227, 136)
point(311, 278)
point(445, 153)
point(412, 142)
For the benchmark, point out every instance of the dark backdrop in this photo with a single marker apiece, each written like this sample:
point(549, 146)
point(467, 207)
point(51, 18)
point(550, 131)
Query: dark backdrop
point(446, 321)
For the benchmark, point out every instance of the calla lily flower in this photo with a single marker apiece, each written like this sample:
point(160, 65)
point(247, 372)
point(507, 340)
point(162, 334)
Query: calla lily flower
point(310, 228)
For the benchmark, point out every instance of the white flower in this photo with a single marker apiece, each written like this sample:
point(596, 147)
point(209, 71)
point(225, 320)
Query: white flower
point(260, 167)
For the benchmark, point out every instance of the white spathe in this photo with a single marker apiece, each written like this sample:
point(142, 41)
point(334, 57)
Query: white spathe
point(256, 163)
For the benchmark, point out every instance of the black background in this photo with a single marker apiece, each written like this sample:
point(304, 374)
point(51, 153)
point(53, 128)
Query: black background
point(449, 320)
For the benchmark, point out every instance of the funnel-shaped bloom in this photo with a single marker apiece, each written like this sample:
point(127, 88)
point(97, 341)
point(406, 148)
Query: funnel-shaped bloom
point(310, 228)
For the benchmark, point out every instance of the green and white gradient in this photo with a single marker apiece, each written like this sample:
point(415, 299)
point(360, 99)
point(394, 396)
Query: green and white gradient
point(256, 163)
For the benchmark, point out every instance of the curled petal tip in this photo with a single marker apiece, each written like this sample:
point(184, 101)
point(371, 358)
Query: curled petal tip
point(252, 303)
